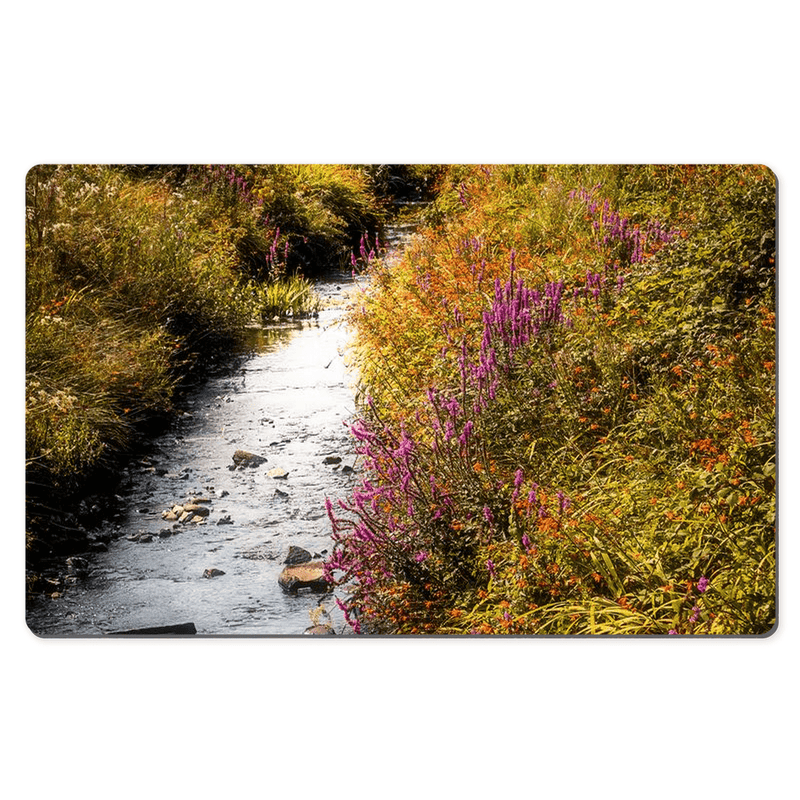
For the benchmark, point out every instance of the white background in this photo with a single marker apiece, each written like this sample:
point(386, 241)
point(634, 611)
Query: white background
point(630, 82)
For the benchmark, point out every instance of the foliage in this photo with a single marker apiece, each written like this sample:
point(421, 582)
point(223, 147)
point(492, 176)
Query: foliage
point(292, 296)
point(569, 424)
point(139, 277)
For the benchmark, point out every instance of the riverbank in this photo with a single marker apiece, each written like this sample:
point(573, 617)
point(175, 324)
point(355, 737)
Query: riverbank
point(571, 427)
point(141, 282)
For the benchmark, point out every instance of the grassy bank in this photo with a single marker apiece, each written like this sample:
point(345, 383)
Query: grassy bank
point(569, 409)
point(141, 278)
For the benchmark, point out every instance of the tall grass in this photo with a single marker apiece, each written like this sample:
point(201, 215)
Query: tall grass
point(287, 297)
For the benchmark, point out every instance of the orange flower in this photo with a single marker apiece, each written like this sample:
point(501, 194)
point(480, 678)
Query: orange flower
point(548, 525)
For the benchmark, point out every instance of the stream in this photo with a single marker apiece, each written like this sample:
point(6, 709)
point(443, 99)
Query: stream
point(290, 402)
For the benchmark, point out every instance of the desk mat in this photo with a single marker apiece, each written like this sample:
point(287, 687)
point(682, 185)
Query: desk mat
point(401, 400)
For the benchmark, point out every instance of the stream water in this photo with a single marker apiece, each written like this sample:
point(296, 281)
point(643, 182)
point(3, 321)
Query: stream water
point(288, 402)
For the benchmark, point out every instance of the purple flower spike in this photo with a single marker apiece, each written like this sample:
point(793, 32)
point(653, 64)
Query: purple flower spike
point(702, 584)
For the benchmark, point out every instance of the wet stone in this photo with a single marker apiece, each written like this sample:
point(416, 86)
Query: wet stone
point(319, 630)
point(243, 459)
point(213, 573)
point(297, 555)
point(77, 565)
point(304, 576)
point(197, 510)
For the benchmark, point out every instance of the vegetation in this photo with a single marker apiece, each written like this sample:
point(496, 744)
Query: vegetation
point(568, 423)
point(140, 277)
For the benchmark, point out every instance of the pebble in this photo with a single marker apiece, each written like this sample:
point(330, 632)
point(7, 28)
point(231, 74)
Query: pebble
point(213, 573)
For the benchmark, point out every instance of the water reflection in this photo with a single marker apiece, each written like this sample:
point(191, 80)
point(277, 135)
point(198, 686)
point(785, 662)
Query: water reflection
point(265, 338)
